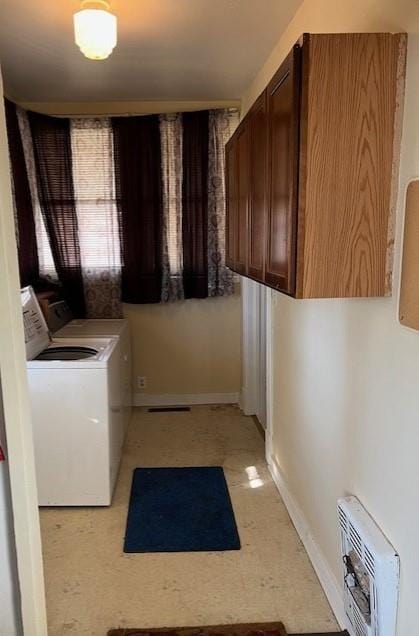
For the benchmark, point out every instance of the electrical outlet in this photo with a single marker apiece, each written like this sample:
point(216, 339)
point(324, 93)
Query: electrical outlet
point(142, 382)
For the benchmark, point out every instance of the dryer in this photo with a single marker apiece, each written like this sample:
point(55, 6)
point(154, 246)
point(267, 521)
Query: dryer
point(77, 412)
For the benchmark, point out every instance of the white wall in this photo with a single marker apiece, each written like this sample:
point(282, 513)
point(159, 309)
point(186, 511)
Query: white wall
point(9, 595)
point(345, 372)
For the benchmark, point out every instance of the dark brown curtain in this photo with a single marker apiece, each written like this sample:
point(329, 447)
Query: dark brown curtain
point(139, 195)
point(28, 253)
point(195, 204)
point(52, 151)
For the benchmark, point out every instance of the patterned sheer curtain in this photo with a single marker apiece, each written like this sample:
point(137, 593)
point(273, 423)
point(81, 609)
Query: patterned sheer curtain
point(97, 215)
point(221, 125)
point(172, 253)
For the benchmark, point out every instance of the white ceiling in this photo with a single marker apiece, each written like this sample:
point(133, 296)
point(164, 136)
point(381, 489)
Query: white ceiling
point(167, 49)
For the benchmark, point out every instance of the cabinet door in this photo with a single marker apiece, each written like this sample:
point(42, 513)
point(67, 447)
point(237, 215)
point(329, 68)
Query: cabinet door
point(283, 95)
point(232, 201)
point(237, 186)
point(258, 188)
point(241, 257)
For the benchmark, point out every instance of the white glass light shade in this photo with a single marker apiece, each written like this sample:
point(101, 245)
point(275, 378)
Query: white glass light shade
point(95, 33)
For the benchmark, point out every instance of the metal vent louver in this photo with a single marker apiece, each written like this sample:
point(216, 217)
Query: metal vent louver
point(360, 628)
point(355, 539)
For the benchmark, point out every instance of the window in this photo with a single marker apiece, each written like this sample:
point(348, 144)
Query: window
point(94, 189)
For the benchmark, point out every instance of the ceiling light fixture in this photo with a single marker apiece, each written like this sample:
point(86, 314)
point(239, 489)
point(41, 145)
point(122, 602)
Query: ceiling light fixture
point(95, 29)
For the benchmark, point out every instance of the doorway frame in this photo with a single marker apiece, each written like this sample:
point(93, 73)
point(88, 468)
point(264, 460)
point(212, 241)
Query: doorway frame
point(254, 295)
point(256, 316)
point(16, 407)
point(269, 374)
point(249, 394)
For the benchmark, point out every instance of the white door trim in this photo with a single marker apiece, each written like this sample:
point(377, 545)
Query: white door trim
point(269, 376)
point(249, 397)
point(255, 336)
point(262, 388)
point(17, 413)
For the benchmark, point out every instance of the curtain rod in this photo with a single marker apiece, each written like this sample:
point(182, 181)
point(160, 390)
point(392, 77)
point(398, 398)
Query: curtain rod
point(229, 111)
point(132, 108)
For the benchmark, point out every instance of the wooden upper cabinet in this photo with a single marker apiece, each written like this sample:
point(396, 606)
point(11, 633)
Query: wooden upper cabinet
point(258, 195)
point(237, 195)
point(283, 97)
point(243, 196)
point(313, 168)
point(352, 101)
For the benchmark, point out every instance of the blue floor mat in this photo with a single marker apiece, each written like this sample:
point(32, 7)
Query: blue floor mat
point(180, 510)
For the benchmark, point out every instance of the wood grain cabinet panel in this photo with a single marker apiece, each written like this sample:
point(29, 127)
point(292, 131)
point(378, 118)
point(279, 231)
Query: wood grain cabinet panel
point(283, 97)
point(243, 183)
point(237, 199)
point(258, 195)
point(313, 168)
point(349, 155)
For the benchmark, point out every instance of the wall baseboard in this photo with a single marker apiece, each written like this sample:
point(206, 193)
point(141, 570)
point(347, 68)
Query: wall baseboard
point(241, 400)
point(326, 577)
point(176, 399)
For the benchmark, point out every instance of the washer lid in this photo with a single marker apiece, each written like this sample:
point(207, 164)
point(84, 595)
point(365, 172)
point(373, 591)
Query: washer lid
point(59, 314)
point(36, 331)
point(92, 327)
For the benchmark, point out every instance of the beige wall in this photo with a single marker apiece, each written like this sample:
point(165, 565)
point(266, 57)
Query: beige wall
point(345, 372)
point(189, 347)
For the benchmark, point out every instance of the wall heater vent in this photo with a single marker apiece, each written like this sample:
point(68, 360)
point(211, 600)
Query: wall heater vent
point(370, 572)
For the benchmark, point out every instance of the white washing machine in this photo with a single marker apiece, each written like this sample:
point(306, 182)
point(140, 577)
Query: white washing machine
point(62, 325)
point(77, 412)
